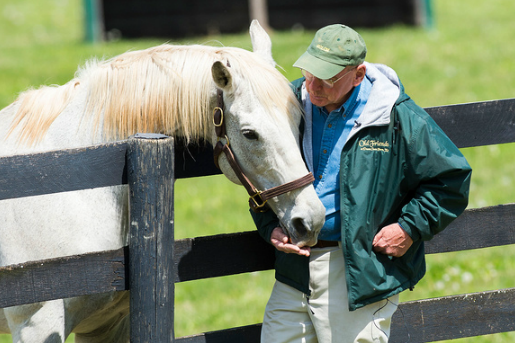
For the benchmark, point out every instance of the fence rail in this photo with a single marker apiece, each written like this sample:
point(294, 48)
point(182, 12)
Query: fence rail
point(428, 320)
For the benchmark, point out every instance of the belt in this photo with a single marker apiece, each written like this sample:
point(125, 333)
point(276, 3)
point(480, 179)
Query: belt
point(325, 244)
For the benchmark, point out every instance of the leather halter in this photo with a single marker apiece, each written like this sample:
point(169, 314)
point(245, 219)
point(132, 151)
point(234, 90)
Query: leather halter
point(258, 199)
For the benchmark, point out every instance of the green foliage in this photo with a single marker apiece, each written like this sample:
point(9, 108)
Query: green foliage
point(466, 57)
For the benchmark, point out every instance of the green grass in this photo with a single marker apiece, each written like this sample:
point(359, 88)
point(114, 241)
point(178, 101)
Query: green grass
point(467, 57)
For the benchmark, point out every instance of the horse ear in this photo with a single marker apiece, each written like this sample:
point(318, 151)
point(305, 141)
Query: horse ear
point(221, 76)
point(261, 43)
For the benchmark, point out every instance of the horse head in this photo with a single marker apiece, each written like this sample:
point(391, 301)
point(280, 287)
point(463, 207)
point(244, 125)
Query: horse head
point(170, 89)
point(261, 116)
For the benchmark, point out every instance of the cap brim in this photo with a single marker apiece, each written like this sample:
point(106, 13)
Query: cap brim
point(319, 68)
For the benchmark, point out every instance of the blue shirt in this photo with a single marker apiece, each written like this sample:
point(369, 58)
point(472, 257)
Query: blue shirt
point(330, 132)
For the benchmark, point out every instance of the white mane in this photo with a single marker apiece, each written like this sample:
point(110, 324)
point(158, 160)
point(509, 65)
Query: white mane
point(165, 89)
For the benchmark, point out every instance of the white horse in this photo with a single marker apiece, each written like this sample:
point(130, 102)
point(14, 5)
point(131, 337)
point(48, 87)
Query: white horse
point(166, 89)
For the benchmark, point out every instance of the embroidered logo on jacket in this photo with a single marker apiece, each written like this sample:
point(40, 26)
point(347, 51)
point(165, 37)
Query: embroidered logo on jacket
point(373, 145)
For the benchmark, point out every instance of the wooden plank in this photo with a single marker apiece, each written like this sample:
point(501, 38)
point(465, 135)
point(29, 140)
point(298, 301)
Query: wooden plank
point(194, 258)
point(244, 334)
point(476, 228)
point(194, 160)
point(477, 124)
point(286, 14)
point(62, 171)
point(425, 320)
point(62, 278)
point(151, 280)
point(90, 167)
point(419, 321)
point(159, 18)
point(454, 317)
point(227, 254)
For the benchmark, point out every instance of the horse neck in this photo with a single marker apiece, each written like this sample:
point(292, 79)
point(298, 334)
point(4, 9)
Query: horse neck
point(69, 128)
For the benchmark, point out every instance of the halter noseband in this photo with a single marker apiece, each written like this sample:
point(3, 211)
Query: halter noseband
point(258, 199)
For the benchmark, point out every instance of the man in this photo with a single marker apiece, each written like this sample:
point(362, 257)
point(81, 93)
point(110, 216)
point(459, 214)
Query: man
point(389, 178)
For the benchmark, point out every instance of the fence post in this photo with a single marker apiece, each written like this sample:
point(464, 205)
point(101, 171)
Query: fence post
point(150, 174)
point(93, 21)
point(258, 9)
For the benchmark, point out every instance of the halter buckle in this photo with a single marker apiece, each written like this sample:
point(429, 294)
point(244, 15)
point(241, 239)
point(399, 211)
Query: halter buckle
point(257, 203)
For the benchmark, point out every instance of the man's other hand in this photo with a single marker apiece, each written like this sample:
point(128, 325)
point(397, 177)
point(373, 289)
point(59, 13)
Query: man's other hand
point(392, 240)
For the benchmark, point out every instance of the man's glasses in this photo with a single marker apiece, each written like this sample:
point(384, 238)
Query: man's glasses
point(329, 83)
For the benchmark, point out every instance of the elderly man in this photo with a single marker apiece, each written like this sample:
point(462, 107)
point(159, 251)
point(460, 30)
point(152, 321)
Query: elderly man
point(389, 179)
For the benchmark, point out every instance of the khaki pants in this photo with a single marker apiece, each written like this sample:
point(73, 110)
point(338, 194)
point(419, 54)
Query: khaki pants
point(324, 317)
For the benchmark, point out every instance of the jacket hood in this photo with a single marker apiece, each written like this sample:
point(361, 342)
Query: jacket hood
point(386, 89)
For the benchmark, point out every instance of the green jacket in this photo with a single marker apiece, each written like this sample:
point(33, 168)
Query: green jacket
point(396, 166)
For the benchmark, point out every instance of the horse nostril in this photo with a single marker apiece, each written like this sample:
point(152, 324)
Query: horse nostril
point(300, 228)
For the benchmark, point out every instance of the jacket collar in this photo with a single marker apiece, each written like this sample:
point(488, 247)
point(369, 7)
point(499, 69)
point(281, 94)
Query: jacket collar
point(386, 89)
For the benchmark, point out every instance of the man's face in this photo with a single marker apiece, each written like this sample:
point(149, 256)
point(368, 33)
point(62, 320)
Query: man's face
point(331, 98)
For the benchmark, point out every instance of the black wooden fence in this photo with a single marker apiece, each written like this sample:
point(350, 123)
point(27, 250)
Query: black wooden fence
point(147, 166)
point(165, 18)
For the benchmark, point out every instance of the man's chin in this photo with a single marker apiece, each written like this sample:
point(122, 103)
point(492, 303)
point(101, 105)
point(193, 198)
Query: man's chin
point(320, 102)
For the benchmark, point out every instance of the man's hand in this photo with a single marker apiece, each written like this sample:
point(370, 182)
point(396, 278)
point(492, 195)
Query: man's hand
point(392, 240)
point(282, 243)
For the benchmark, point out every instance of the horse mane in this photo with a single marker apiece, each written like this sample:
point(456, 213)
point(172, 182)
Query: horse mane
point(165, 89)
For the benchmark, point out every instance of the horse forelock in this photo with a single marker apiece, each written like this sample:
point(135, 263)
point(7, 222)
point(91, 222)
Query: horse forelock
point(165, 89)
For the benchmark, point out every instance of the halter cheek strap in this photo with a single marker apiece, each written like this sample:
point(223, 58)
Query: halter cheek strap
point(258, 199)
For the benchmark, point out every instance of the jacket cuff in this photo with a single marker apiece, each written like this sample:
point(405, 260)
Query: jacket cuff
point(265, 223)
point(411, 231)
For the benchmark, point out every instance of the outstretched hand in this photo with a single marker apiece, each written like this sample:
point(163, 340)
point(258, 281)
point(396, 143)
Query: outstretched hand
point(282, 243)
point(392, 240)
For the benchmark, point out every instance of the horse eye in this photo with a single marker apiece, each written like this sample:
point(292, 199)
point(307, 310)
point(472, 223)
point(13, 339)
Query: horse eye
point(249, 134)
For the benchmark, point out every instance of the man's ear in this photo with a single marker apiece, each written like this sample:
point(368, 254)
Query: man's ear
point(361, 71)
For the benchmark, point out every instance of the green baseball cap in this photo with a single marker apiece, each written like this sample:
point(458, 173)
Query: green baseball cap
point(333, 48)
